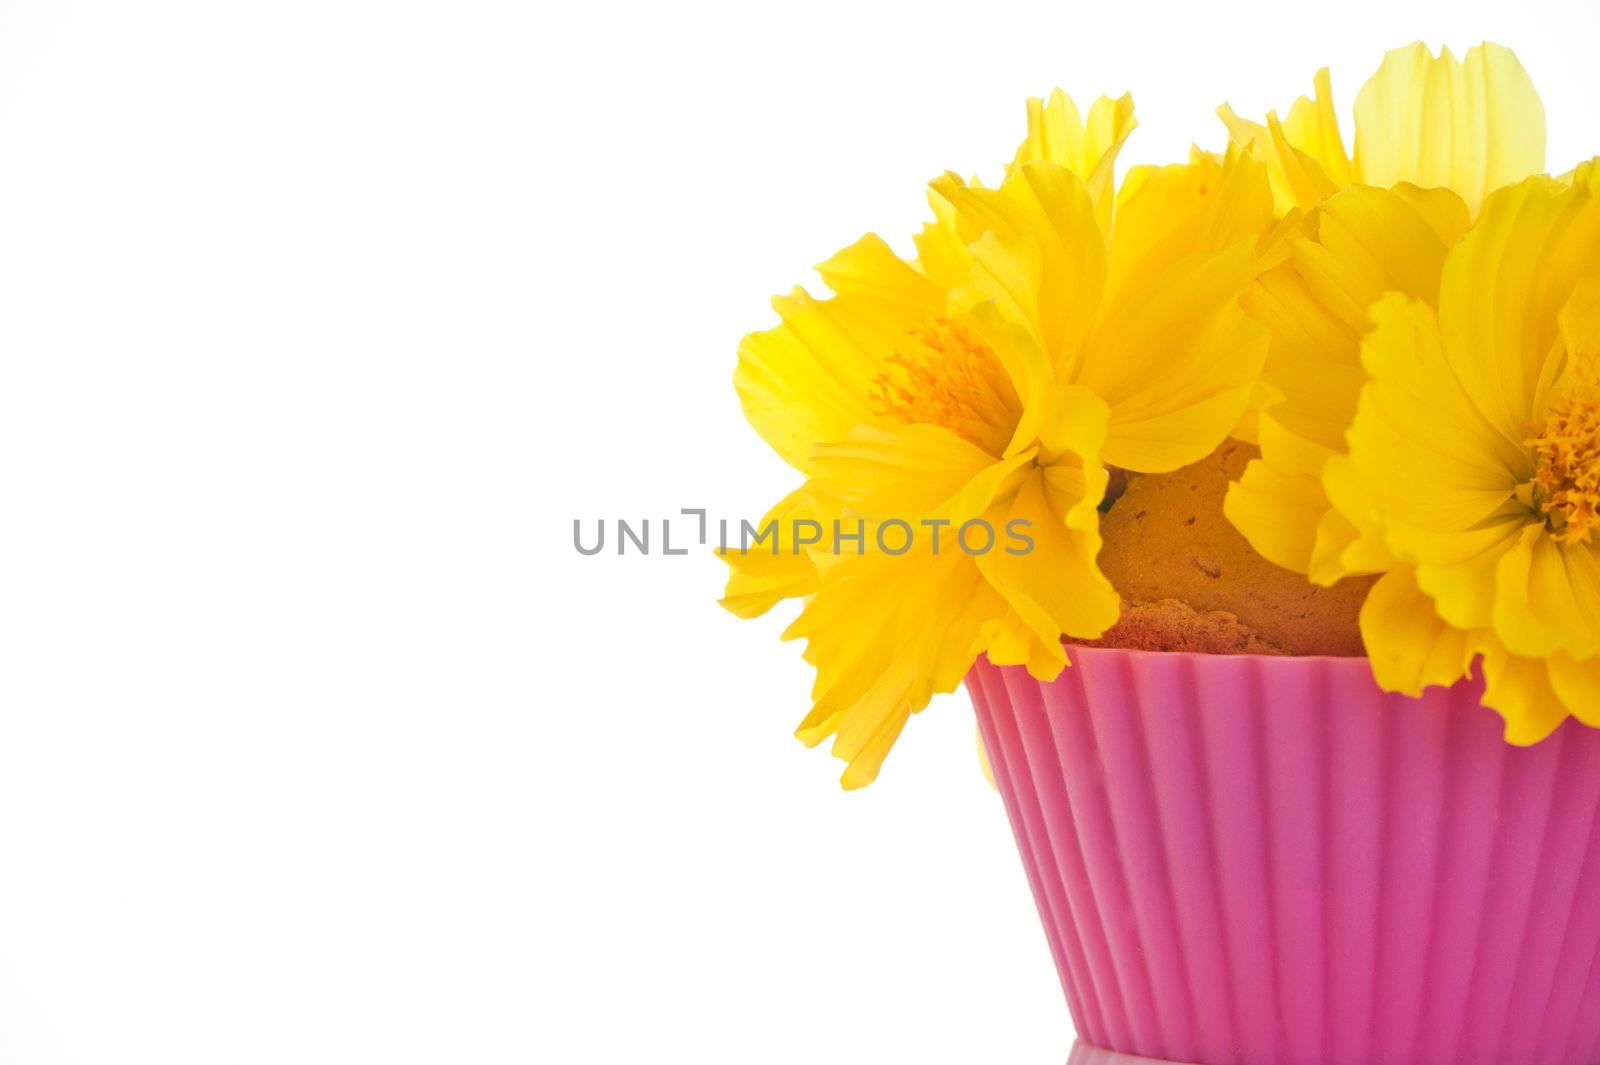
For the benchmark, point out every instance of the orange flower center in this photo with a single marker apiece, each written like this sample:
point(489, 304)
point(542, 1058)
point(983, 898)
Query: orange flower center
point(1566, 485)
point(945, 375)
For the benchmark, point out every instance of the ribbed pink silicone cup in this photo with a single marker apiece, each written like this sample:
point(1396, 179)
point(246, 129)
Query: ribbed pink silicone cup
point(1249, 860)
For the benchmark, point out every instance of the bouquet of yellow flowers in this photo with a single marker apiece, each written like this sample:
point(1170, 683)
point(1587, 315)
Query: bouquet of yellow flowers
point(1236, 490)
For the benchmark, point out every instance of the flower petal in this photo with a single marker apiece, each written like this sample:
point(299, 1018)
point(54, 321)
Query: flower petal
point(1409, 645)
point(761, 577)
point(1343, 549)
point(1371, 241)
point(1057, 134)
point(1279, 504)
point(895, 471)
point(1503, 288)
point(1055, 587)
point(1176, 360)
point(808, 381)
point(1312, 127)
point(1577, 684)
point(1167, 213)
point(1305, 154)
point(1585, 174)
point(1579, 320)
point(1472, 126)
point(1546, 598)
point(1042, 256)
point(869, 268)
point(1421, 455)
point(1276, 512)
point(1357, 245)
point(942, 246)
point(1014, 643)
point(1520, 689)
point(909, 472)
point(885, 633)
point(1458, 568)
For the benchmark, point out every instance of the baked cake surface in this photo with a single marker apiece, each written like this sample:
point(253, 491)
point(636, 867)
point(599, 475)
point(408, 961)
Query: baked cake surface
point(1190, 582)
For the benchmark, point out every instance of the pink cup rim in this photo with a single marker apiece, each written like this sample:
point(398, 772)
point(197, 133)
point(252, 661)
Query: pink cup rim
point(1076, 649)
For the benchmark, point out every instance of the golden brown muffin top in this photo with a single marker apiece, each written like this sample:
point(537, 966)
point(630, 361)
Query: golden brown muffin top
point(1190, 582)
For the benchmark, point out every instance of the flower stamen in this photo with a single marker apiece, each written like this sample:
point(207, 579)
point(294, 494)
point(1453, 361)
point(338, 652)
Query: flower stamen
point(1566, 484)
point(948, 376)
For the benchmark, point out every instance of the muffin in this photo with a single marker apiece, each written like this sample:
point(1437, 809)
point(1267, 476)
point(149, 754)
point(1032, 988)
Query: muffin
point(1190, 582)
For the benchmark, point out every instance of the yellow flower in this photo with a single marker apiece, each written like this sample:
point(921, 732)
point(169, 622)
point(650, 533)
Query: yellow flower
point(1472, 126)
point(1079, 338)
point(1357, 245)
point(822, 372)
point(1474, 457)
point(1433, 137)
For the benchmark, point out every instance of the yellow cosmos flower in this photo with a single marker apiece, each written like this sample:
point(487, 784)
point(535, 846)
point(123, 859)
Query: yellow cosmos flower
point(1357, 245)
point(1081, 336)
point(1433, 137)
point(1474, 458)
point(820, 374)
point(1472, 126)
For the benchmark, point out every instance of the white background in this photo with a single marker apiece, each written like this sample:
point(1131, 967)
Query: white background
point(319, 324)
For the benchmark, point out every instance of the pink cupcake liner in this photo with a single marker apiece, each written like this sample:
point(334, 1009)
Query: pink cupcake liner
point(1250, 860)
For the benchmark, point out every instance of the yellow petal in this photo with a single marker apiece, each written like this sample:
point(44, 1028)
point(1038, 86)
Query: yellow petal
point(1304, 157)
point(1056, 587)
point(1421, 453)
point(1279, 504)
point(1520, 690)
point(1585, 174)
point(1445, 211)
point(1308, 420)
point(1577, 684)
point(910, 471)
point(809, 380)
point(1013, 642)
point(1166, 214)
point(1358, 245)
point(1502, 291)
point(1302, 329)
point(1070, 423)
point(1019, 352)
point(869, 268)
point(1042, 256)
point(1472, 126)
point(1343, 548)
point(1458, 568)
point(1047, 570)
point(1409, 646)
point(1580, 321)
point(1312, 127)
point(772, 570)
point(1176, 360)
point(942, 246)
point(1057, 134)
point(885, 633)
point(1546, 597)
point(1277, 512)
point(1372, 241)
